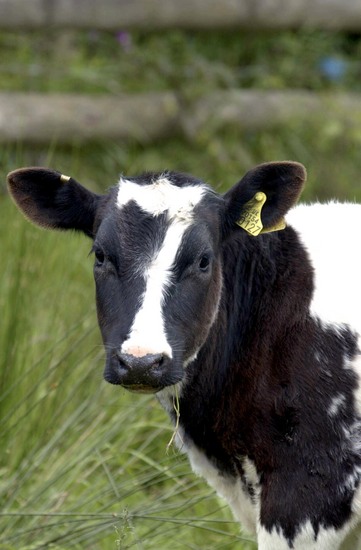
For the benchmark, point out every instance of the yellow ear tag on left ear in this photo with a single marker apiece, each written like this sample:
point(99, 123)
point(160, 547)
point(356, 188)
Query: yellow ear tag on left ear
point(250, 219)
point(64, 178)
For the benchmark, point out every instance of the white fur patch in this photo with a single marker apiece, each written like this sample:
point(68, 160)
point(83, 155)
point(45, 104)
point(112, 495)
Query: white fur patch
point(330, 234)
point(356, 502)
point(147, 332)
point(356, 366)
point(337, 403)
point(161, 196)
point(228, 487)
point(327, 539)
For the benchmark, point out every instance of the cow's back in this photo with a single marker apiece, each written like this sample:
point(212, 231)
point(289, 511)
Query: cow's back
point(331, 233)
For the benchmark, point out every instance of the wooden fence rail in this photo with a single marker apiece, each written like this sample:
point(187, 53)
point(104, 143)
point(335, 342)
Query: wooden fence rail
point(190, 14)
point(40, 118)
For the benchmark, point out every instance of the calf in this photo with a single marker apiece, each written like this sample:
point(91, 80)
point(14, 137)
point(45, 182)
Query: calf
point(248, 328)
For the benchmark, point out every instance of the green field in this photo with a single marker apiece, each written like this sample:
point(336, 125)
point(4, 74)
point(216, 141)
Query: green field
point(84, 464)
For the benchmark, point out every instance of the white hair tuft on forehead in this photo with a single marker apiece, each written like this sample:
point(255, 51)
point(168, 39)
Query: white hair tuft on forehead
point(161, 196)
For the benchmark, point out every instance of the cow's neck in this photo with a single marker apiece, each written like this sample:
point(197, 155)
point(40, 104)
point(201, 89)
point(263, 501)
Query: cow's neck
point(226, 392)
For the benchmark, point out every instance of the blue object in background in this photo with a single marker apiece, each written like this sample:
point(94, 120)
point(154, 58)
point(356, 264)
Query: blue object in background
point(333, 68)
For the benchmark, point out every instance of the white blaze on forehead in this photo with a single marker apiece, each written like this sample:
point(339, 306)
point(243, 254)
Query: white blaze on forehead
point(147, 334)
point(161, 196)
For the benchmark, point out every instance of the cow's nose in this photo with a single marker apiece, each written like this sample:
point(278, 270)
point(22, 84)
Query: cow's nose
point(140, 373)
point(143, 363)
point(141, 370)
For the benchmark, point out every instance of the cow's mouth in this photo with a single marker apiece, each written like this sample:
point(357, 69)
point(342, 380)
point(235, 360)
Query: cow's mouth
point(141, 388)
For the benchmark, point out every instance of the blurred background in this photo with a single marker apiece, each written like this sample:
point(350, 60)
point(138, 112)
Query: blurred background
point(96, 89)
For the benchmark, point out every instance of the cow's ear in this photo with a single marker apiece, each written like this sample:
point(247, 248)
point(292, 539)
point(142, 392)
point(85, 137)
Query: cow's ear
point(52, 200)
point(260, 200)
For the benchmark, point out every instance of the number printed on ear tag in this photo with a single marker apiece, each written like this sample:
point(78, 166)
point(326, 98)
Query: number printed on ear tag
point(250, 219)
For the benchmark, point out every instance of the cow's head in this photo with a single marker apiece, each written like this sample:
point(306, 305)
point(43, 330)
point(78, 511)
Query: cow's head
point(157, 243)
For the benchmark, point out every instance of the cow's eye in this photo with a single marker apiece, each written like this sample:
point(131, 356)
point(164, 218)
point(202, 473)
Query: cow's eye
point(99, 257)
point(204, 262)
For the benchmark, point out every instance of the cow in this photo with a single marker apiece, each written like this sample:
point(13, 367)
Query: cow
point(241, 313)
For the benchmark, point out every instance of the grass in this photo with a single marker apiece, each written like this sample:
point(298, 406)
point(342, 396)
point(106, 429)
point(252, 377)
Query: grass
point(82, 464)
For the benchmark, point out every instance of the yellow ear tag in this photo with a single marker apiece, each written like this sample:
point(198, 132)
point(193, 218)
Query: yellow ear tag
point(276, 227)
point(250, 219)
point(64, 178)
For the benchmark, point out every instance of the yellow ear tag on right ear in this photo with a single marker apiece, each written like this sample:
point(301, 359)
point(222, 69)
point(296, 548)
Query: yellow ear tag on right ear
point(64, 178)
point(250, 219)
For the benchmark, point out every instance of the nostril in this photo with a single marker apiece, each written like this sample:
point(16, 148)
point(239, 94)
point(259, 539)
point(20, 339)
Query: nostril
point(148, 361)
point(123, 362)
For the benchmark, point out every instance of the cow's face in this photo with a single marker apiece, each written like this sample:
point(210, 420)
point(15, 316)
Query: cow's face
point(157, 246)
point(158, 278)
